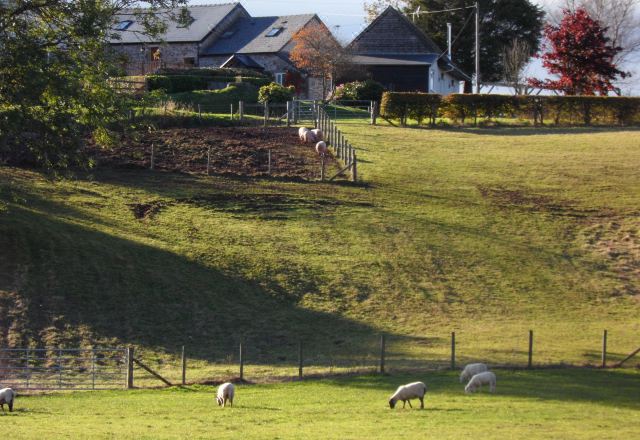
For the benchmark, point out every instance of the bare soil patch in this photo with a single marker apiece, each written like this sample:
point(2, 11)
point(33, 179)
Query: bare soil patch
point(242, 151)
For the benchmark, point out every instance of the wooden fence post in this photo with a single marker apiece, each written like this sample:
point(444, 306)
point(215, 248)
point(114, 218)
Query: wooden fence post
point(382, 347)
point(266, 114)
point(288, 113)
point(269, 161)
point(453, 350)
point(241, 110)
point(354, 167)
point(232, 111)
point(322, 167)
point(241, 363)
point(209, 161)
point(130, 354)
point(153, 157)
point(374, 112)
point(300, 361)
point(184, 367)
point(530, 363)
point(604, 349)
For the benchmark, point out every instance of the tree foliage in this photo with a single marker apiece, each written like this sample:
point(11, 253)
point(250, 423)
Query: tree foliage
point(501, 22)
point(581, 55)
point(318, 53)
point(56, 75)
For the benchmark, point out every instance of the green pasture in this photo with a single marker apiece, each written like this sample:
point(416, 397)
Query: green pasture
point(568, 404)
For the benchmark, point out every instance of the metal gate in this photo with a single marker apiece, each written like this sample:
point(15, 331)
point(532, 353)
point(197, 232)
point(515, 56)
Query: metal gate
point(305, 110)
point(63, 369)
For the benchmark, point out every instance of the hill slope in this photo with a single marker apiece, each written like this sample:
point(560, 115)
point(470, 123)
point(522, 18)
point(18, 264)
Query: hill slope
point(487, 233)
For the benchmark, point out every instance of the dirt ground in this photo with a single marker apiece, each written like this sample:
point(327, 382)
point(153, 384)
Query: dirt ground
point(238, 151)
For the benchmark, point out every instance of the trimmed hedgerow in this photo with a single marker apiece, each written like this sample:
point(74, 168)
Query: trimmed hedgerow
point(403, 105)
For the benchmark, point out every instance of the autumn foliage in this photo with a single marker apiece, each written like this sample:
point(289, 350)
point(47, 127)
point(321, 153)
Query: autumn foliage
point(581, 55)
point(317, 53)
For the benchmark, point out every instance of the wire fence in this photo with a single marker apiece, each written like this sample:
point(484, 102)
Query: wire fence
point(263, 358)
point(62, 369)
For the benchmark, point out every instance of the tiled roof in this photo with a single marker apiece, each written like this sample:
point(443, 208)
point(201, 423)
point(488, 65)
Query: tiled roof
point(206, 17)
point(250, 35)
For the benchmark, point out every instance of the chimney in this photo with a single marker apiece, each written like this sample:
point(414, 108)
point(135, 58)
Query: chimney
point(449, 41)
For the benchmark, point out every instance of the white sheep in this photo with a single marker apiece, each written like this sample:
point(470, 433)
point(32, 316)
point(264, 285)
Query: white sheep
point(318, 134)
point(309, 137)
point(321, 148)
point(415, 390)
point(7, 395)
point(226, 392)
point(476, 382)
point(471, 370)
point(301, 132)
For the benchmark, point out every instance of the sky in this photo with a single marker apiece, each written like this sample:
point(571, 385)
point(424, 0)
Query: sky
point(346, 18)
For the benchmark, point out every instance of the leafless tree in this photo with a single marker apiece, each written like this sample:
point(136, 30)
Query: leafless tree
point(515, 57)
point(375, 7)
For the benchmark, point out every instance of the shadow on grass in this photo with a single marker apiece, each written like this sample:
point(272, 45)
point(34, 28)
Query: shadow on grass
point(528, 131)
point(619, 388)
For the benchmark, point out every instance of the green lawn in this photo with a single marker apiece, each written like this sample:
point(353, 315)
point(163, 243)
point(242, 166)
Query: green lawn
point(485, 232)
point(567, 404)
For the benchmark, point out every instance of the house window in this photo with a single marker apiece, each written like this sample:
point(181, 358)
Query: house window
point(123, 25)
point(452, 83)
point(280, 78)
point(274, 31)
point(155, 53)
point(442, 77)
point(189, 61)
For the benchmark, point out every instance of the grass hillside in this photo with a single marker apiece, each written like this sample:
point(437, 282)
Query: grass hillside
point(484, 232)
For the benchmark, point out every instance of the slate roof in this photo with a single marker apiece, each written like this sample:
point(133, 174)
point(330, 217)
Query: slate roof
point(393, 40)
point(206, 17)
point(250, 35)
point(395, 60)
point(391, 33)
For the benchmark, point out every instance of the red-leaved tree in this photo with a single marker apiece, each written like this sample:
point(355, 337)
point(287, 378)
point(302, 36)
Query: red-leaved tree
point(579, 52)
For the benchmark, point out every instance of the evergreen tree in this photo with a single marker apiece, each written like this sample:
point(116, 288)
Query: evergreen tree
point(501, 22)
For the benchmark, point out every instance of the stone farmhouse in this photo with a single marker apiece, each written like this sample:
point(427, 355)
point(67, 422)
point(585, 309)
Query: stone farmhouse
point(222, 35)
point(396, 53)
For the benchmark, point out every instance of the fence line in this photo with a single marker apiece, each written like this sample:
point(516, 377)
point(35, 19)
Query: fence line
point(112, 368)
point(342, 149)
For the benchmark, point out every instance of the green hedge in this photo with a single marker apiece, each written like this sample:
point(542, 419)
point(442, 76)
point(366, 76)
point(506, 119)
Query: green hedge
point(188, 83)
point(558, 110)
point(418, 106)
point(217, 72)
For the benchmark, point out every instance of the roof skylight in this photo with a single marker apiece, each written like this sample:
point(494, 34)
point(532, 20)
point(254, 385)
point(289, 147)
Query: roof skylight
point(274, 31)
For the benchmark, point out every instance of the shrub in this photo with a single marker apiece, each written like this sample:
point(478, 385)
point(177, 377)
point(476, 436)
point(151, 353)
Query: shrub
point(368, 90)
point(275, 93)
point(209, 72)
point(188, 83)
point(176, 83)
point(401, 106)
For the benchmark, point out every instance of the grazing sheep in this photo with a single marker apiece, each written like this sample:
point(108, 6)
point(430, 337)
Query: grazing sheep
point(486, 378)
point(415, 390)
point(225, 394)
point(471, 370)
point(309, 137)
point(318, 134)
point(7, 395)
point(321, 148)
point(301, 132)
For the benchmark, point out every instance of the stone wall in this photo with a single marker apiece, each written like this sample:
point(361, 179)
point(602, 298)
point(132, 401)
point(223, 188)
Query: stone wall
point(139, 59)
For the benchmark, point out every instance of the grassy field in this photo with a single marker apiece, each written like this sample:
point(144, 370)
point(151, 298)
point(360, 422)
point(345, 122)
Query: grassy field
point(568, 404)
point(488, 233)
